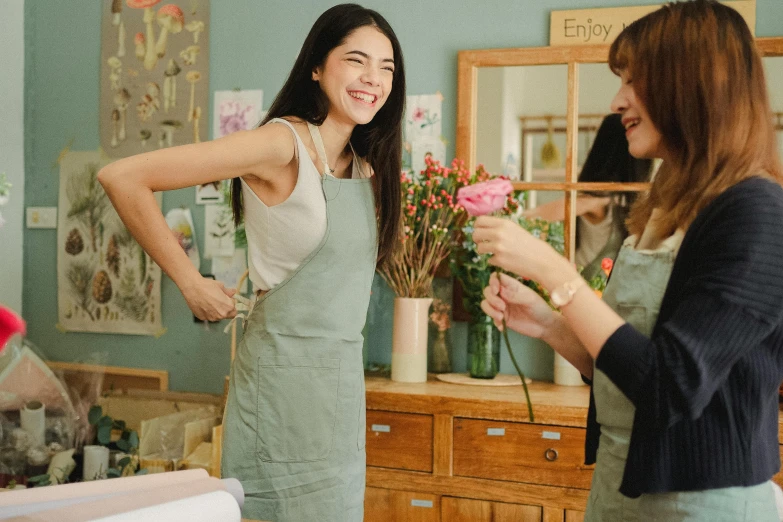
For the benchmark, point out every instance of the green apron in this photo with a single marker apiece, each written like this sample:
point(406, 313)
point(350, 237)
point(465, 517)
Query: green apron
point(294, 425)
point(635, 292)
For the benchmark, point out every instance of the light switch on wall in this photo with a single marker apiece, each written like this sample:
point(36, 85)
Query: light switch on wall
point(41, 217)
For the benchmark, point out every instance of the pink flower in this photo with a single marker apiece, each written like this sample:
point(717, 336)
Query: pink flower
point(10, 324)
point(485, 198)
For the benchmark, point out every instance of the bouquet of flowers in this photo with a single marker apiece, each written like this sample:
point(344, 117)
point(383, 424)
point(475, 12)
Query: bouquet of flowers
point(430, 216)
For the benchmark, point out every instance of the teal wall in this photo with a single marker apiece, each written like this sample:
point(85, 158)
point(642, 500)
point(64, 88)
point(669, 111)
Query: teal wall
point(253, 45)
point(12, 152)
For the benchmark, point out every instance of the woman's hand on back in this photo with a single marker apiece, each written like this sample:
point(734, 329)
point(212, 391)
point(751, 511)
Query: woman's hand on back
point(209, 300)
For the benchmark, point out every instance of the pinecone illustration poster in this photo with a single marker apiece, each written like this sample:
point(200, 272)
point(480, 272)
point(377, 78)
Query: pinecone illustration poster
point(106, 282)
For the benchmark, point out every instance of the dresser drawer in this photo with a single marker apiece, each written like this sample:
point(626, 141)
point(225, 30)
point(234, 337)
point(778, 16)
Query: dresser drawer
point(399, 440)
point(518, 452)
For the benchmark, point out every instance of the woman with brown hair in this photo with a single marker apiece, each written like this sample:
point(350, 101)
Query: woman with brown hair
point(685, 351)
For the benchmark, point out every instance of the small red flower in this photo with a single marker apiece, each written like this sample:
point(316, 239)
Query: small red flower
point(606, 265)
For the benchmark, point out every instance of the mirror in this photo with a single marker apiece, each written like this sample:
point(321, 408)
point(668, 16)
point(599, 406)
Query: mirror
point(773, 67)
point(534, 114)
point(520, 125)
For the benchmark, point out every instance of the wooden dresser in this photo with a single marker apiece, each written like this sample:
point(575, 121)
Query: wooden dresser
point(453, 453)
point(450, 453)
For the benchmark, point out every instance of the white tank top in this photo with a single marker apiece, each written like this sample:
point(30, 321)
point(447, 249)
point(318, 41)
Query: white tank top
point(281, 236)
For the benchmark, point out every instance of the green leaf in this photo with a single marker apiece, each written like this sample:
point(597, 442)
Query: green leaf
point(142, 471)
point(133, 439)
point(105, 421)
point(39, 478)
point(119, 425)
point(123, 445)
point(124, 461)
point(104, 435)
point(113, 473)
point(95, 413)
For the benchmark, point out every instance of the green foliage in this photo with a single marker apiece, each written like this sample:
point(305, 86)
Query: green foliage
point(473, 270)
point(40, 480)
point(128, 442)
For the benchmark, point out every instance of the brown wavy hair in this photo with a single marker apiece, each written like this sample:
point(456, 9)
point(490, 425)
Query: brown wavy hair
point(695, 67)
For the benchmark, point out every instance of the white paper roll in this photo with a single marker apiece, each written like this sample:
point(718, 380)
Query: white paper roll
point(218, 505)
point(33, 421)
point(96, 462)
point(234, 487)
point(565, 373)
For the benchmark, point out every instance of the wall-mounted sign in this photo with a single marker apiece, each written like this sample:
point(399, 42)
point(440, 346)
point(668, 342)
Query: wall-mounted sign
point(602, 25)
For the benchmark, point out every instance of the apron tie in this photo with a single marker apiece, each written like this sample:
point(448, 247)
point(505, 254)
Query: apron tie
point(243, 305)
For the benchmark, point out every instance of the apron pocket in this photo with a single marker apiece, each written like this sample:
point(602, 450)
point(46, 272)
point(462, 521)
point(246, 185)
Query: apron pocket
point(297, 402)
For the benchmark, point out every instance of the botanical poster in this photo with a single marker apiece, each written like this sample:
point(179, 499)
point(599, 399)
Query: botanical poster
point(105, 281)
point(236, 110)
point(154, 72)
point(219, 234)
point(233, 110)
point(423, 117)
point(426, 146)
point(180, 221)
point(228, 270)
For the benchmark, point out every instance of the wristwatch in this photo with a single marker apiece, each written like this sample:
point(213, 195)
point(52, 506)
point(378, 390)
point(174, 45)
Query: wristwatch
point(563, 294)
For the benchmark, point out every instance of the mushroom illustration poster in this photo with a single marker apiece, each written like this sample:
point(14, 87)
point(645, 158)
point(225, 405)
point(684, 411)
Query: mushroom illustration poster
point(236, 110)
point(105, 281)
point(154, 75)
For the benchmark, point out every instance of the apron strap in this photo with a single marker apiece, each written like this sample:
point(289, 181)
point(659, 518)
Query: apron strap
point(358, 163)
point(319, 146)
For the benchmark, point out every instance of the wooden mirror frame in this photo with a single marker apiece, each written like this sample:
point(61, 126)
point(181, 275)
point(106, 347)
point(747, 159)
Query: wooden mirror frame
point(469, 61)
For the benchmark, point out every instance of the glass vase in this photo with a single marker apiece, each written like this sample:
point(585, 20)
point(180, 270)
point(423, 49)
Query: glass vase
point(440, 351)
point(483, 349)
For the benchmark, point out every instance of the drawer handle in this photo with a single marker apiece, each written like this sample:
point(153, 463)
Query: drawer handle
point(550, 454)
point(381, 428)
point(421, 503)
point(496, 432)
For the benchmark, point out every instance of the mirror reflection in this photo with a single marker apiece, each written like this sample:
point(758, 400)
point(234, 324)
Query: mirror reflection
point(520, 132)
point(773, 67)
point(520, 126)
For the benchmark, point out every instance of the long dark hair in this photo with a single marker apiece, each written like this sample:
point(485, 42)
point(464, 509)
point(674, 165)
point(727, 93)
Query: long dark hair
point(609, 160)
point(696, 69)
point(379, 142)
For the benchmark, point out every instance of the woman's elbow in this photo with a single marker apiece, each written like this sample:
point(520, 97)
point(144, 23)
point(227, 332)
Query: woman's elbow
point(106, 176)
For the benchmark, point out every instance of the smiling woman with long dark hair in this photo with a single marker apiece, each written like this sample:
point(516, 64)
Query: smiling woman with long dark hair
point(318, 188)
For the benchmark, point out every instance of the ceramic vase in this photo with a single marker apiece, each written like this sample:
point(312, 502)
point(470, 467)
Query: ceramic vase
point(409, 339)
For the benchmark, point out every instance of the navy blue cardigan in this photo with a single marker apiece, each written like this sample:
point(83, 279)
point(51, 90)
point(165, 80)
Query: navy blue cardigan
point(705, 385)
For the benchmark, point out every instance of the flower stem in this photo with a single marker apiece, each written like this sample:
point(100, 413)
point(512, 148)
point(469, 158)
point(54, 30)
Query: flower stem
point(514, 361)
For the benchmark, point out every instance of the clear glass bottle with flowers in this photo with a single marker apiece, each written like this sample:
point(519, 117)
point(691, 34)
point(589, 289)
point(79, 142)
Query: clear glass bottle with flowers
point(440, 338)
